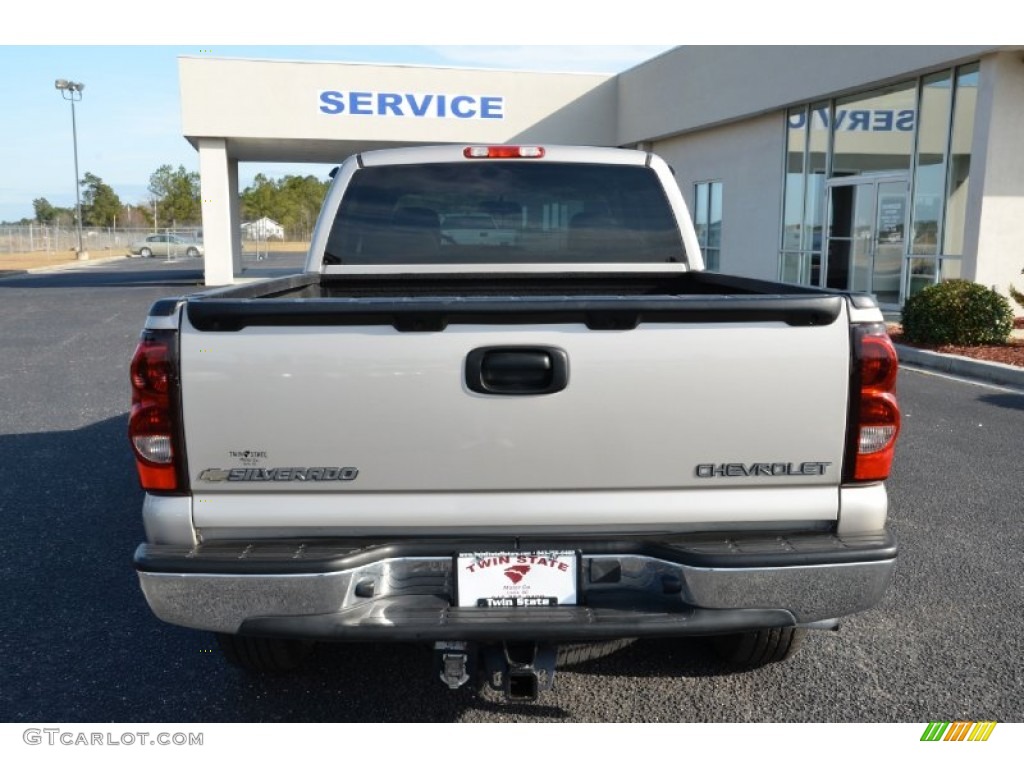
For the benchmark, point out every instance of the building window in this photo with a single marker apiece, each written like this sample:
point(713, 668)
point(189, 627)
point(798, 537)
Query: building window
point(930, 174)
point(959, 172)
point(910, 139)
point(707, 219)
point(874, 132)
point(792, 264)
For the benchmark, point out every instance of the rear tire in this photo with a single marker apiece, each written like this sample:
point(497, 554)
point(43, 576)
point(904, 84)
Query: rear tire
point(192, 253)
point(264, 654)
point(756, 649)
point(571, 654)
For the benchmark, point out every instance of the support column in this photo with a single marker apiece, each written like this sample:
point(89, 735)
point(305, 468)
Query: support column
point(222, 236)
point(992, 247)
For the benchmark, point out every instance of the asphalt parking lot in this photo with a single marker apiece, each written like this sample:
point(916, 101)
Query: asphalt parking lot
point(79, 643)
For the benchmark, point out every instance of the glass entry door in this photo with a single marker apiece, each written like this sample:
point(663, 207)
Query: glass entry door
point(867, 224)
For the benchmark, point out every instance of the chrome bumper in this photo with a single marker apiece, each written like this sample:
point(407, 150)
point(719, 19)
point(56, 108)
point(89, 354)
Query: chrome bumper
point(636, 588)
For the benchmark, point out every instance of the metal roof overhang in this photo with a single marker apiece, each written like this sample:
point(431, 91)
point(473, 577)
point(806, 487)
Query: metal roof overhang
point(277, 150)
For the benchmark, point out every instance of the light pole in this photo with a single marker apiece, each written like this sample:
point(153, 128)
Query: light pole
point(72, 91)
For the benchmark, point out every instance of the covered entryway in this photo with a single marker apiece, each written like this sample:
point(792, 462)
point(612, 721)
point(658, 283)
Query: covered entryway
point(236, 110)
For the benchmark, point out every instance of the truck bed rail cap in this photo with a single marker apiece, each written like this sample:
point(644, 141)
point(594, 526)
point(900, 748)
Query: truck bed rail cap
point(409, 269)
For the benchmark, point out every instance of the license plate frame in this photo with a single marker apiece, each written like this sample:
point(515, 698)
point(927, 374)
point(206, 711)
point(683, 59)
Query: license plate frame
point(517, 580)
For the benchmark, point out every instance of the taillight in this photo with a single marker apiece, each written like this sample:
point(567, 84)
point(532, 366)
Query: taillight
point(874, 414)
point(503, 151)
point(151, 425)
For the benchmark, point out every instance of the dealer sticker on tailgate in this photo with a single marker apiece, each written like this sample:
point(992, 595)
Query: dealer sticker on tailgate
point(516, 579)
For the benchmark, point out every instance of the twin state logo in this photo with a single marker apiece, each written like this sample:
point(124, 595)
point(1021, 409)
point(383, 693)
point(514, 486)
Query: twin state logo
point(515, 573)
point(958, 731)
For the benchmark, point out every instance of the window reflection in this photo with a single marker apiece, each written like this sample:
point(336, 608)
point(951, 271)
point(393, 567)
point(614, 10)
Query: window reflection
point(920, 274)
point(960, 158)
point(707, 219)
point(817, 168)
point(793, 201)
point(930, 176)
point(874, 132)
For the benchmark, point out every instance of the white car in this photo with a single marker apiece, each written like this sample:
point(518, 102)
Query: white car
point(474, 229)
point(168, 245)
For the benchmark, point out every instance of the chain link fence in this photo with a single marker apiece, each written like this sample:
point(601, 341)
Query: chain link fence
point(40, 238)
point(36, 238)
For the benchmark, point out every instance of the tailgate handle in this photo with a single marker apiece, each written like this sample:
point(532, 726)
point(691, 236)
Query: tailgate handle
point(517, 370)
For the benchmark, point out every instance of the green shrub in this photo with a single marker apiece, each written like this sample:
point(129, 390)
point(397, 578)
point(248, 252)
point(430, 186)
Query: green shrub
point(957, 312)
point(1017, 296)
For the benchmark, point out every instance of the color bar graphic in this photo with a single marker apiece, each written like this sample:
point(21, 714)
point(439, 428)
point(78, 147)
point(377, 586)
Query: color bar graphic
point(960, 730)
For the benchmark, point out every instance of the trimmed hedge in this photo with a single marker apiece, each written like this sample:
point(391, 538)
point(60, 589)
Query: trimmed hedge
point(957, 312)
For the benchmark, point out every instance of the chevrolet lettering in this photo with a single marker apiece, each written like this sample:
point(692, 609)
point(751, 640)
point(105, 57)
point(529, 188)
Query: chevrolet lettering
point(775, 469)
point(570, 435)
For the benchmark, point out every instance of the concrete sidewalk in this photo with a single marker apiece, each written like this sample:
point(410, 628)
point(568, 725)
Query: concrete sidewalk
point(965, 367)
point(73, 264)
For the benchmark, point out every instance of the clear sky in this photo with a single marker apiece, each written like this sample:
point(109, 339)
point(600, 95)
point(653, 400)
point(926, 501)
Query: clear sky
point(129, 120)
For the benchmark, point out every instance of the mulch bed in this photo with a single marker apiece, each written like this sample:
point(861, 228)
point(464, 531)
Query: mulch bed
point(1011, 353)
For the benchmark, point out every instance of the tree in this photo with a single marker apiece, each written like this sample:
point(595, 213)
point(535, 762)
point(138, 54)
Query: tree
point(261, 199)
point(304, 196)
point(176, 193)
point(45, 212)
point(292, 201)
point(137, 216)
point(100, 203)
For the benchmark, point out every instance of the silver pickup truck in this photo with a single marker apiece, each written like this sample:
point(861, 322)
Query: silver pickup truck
point(525, 455)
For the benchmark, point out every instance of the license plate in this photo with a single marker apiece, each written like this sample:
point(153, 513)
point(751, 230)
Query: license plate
point(516, 579)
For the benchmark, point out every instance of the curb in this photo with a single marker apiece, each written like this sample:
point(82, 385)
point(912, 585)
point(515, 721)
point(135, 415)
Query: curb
point(965, 367)
point(58, 267)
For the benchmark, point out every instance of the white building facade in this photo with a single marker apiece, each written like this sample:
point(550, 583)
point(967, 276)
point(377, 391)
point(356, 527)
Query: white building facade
point(877, 169)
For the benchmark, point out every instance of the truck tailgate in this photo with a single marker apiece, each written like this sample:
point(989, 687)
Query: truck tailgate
point(336, 426)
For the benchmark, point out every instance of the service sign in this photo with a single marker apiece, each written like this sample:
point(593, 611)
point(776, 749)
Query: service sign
point(516, 579)
point(449, 106)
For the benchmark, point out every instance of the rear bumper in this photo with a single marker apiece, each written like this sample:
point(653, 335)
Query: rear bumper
point(684, 585)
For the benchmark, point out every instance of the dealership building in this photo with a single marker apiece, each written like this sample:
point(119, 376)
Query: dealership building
point(877, 169)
